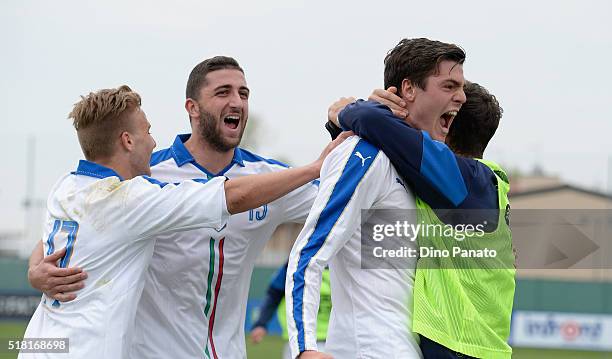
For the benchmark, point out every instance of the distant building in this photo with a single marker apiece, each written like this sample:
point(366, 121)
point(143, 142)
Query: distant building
point(542, 192)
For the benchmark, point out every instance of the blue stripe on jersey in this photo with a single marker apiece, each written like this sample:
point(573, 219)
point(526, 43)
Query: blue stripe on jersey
point(163, 184)
point(56, 227)
point(354, 171)
point(440, 167)
point(72, 227)
point(251, 157)
point(154, 181)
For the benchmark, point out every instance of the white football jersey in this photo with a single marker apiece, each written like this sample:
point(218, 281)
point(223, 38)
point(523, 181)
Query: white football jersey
point(108, 227)
point(371, 308)
point(194, 301)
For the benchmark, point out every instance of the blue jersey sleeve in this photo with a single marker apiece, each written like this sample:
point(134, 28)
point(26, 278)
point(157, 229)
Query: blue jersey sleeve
point(278, 281)
point(438, 176)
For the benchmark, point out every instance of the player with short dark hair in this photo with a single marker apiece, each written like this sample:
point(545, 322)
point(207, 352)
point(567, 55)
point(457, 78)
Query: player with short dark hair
point(370, 308)
point(462, 307)
point(417, 59)
point(475, 123)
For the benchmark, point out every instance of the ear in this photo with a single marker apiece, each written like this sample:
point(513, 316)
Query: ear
point(408, 90)
point(192, 108)
point(126, 141)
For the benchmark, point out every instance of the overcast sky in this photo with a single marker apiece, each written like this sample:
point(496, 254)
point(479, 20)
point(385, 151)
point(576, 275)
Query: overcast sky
point(546, 61)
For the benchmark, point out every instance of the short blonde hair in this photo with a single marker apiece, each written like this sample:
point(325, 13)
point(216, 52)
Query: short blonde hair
point(100, 117)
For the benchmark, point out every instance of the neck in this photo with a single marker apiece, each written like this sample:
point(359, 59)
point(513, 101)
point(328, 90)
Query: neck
point(122, 168)
point(207, 156)
point(469, 155)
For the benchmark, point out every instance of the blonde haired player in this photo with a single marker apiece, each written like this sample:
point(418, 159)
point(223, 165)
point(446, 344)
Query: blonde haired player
point(107, 213)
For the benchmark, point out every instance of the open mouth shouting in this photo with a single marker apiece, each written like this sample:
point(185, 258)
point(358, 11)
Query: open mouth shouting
point(232, 122)
point(446, 120)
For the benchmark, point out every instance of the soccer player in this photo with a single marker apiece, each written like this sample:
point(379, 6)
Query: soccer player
point(194, 300)
point(462, 306)
point(108, 212)
point(370, 307)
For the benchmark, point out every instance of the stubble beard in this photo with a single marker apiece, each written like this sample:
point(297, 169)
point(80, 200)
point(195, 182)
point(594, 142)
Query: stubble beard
point(210, 132)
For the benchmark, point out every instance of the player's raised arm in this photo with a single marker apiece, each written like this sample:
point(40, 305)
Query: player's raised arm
point(253, 191)
point(416, 156)
point(442, 178)
point(155, 207)
point(347, 185)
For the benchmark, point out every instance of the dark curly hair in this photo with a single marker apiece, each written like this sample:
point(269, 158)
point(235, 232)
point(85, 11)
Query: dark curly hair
point(475, 123)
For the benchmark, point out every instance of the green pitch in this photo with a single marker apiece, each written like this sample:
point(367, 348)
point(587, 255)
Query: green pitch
point(10, 330)
point(272, 347)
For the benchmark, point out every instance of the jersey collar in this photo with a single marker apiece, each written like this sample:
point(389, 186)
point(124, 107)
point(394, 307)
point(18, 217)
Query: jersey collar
point(182, 156)
point(92, 169)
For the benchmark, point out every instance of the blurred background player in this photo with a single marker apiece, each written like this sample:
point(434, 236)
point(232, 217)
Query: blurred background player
point(274, 302)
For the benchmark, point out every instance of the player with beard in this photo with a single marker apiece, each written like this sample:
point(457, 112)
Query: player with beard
point(194, 302)
point(108, 213)
point(194, 299)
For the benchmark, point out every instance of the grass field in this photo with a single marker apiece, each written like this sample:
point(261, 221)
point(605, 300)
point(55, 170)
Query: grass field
point(272, 347)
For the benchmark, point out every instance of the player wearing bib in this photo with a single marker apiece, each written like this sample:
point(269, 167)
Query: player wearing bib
point(465, 304)
point(371, 307)
point(194, 301)
point(461, 305)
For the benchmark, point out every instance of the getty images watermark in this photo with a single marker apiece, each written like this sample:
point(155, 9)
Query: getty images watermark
point(411, 231)
point(486, 239)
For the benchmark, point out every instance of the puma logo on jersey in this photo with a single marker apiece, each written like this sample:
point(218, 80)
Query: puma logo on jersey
point(358, 154)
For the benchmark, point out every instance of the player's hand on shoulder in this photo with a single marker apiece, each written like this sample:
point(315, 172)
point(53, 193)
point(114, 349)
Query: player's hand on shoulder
point(336, 107)
point(311, 354)
point(390, 99)
point(56, 283)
